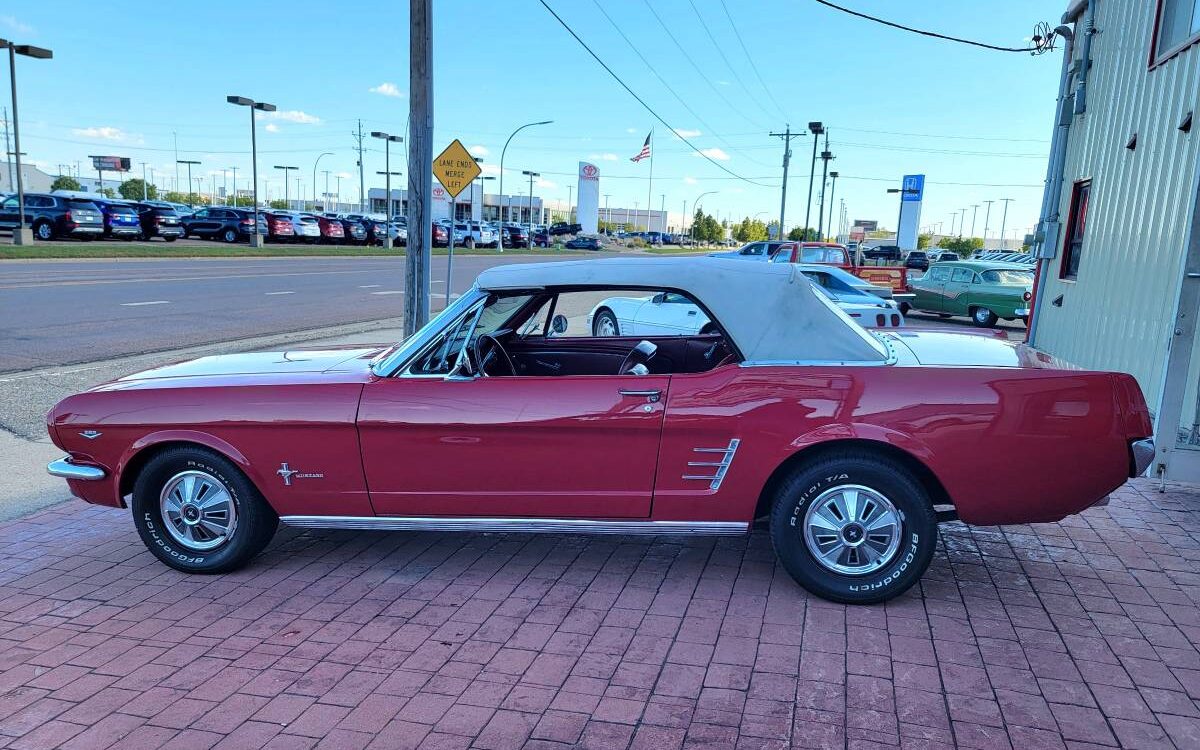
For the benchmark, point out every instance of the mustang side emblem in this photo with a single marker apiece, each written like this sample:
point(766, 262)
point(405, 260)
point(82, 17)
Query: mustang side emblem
point(288, 473)
point(90, 434)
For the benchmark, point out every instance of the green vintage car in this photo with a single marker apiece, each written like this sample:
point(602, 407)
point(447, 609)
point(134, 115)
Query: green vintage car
point(979, 290)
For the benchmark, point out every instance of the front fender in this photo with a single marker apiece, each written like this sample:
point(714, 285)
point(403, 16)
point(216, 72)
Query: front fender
point(132, 454)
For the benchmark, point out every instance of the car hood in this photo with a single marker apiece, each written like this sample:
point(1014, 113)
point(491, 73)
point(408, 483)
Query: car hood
point(302, 364)
point(939, 348)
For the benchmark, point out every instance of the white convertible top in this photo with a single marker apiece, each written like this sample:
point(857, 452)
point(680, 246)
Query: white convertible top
point(770, 310)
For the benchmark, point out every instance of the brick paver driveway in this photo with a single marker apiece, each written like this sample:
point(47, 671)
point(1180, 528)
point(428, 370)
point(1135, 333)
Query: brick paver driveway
point(1078, 634)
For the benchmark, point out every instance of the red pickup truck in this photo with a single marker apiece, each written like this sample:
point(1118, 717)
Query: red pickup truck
point(833, 254)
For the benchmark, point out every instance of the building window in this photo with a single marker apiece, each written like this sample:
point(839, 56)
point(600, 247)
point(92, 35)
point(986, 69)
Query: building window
point(1178, 25)
point(1076, 228)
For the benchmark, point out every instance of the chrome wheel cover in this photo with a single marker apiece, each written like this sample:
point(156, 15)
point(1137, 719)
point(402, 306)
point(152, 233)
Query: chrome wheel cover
point(606, 326)
point(982, 314)
point(198, 510)
point(852, 530)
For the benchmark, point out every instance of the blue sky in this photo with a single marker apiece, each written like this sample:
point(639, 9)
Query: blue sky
point(126, 81)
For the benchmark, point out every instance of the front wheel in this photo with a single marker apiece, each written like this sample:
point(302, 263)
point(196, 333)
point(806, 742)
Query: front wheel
point(230, 236)
point(605, 324)
point(43, 231)
point(853, 528)
point(983, 317)
point(197, 512)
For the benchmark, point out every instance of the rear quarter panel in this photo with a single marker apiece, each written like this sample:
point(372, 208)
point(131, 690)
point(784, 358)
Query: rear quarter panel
point(1009, 445)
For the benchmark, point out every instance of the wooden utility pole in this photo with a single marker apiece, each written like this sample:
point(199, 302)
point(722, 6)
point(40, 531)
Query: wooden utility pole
point(420, 166)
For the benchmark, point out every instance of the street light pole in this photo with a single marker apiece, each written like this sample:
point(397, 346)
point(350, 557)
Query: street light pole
point(696, 209)
point(256, 236)
point(987, 218)
point(287, 202)
point(500, 244)
point(21, 235)
point(314, 182)
point(826, 157)
point(832, 190)
point(531, 176)
point(816, 129)
point(189, 163)
point(1004, 221)
point(974, 216)
point(388, 140)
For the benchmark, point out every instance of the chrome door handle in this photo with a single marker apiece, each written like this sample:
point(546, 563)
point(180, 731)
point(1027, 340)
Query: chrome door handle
point(650, 396)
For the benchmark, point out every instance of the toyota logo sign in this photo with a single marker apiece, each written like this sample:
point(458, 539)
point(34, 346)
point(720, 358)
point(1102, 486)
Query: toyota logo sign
point(589, 172)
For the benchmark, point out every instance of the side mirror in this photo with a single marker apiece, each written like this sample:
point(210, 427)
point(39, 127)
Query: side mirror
point(558, 324)
point(659, 298)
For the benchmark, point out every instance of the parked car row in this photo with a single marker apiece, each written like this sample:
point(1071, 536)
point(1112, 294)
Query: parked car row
point(985, 289)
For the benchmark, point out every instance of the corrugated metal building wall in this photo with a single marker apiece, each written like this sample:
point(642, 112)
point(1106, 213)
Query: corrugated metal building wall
point(1118, 313)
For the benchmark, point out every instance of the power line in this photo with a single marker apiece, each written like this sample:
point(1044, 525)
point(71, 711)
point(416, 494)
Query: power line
point(750, 59)
point(661, 80)
point(1041, 46)
point(942, 135)
point(721, 52)
point(641, 101)
point(692, 62)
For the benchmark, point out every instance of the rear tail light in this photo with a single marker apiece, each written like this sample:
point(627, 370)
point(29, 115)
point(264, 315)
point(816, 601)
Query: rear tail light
point(1027, 296)
point(881, 320)
point(896, 321)
point(68, 216)
point(248, 222)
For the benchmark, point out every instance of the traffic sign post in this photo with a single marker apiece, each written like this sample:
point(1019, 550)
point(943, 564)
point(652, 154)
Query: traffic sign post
point(455, 169)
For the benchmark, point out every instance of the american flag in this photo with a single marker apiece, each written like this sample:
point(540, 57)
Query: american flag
point(645, 152)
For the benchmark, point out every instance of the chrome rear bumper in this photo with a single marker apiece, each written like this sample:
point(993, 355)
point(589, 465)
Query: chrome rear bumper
point(1142, 452)
point(67, 470)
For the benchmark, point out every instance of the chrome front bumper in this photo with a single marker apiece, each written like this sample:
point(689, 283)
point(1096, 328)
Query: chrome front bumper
point(67, 470)
point(1022, 312)
point(1143, 455)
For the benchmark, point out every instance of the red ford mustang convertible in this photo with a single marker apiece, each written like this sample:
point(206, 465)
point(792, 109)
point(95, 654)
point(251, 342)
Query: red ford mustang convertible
point(505, 413)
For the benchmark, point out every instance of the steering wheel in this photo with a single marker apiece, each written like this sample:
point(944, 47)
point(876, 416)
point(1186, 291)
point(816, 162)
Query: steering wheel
point(486, 347)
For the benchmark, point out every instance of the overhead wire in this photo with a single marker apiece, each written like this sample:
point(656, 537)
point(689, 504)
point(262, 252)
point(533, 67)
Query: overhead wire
point(661, 80)
point(729, 65)
point(1040, 46)
point(750, 59)
point(641, 101)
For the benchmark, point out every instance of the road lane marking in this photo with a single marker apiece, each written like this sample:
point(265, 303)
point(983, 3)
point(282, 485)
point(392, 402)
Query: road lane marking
point(391, 291)
point(269, 294)
point(141, 304)
point(369, 286)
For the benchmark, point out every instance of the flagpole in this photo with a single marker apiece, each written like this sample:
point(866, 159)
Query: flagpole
point(650, 182)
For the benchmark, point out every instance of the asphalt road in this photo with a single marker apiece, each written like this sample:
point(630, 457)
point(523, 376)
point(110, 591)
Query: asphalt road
point(68, 312)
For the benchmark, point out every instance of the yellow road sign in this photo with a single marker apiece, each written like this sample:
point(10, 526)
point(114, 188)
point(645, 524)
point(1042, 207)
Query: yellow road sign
point(455, 168)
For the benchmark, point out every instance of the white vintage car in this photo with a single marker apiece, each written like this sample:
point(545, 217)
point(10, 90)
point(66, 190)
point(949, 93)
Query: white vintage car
point(671, 314)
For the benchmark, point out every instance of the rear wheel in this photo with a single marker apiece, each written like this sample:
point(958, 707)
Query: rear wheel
point(983, 317)
point(197, 512)
point(854, 528)
point(170, 239)
point(605, 324)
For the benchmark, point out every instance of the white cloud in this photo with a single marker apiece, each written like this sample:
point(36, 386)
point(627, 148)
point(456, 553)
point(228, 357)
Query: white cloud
point(689, 180)
point(103, 132)
point(603, 157)
point(714, 153)
point(545, 184)
point(724, 83)
point(387, 88)
point(272, 127)
point(290, 115)
point(11, 22)
point(490, 169)
point(478, 150)
point(685, 133)
point(631, 130)
point(344, 175)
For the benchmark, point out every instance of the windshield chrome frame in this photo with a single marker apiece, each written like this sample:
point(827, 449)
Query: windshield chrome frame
point(390, 363)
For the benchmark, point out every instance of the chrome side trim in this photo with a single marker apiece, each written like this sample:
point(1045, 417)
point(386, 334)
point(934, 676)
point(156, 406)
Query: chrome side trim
point(722, 466)
point(1143, 455)
point(67, 470)
point(518, 525)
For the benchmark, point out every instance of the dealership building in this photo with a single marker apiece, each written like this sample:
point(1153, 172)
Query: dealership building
point(1118, 285)
point(520, 209)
